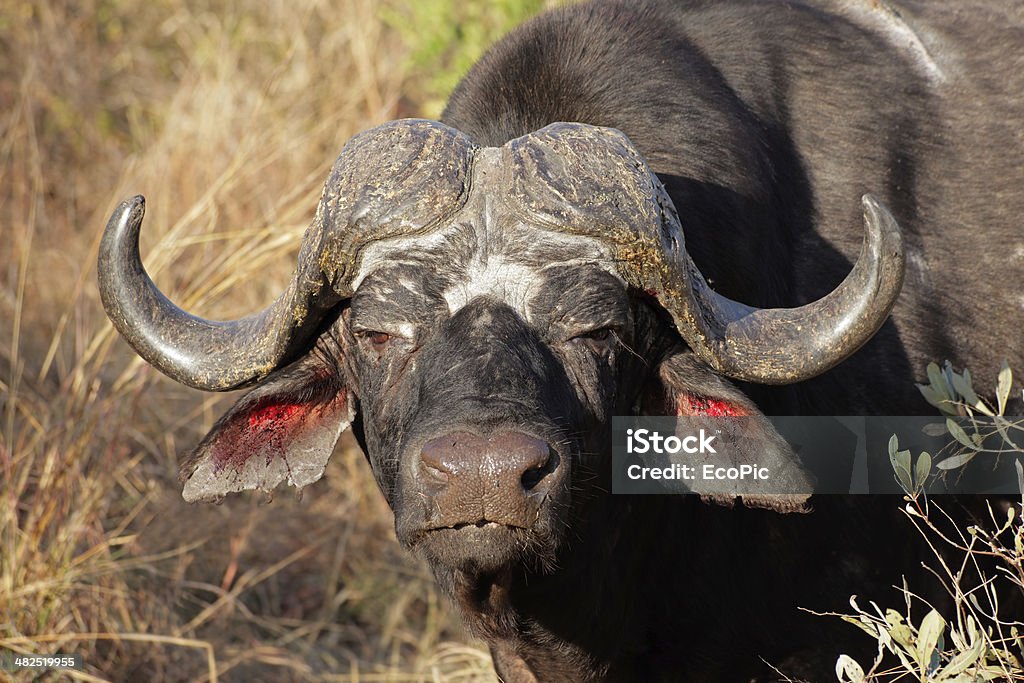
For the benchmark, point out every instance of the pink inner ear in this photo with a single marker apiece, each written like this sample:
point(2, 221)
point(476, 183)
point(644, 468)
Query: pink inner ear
point(691, 404)
point(268, 427)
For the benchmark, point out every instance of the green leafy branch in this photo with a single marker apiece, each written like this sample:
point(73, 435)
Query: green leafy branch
point(954, 395)
point(981, 644)
point(921, 649)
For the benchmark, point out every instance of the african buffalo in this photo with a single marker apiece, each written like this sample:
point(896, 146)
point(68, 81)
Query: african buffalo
point(476, 297)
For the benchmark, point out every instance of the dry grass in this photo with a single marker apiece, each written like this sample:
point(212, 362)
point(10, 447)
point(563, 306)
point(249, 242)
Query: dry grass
point(226, 118)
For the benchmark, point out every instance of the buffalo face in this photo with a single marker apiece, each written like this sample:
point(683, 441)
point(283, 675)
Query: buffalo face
point(478, 315)
point(484, 423)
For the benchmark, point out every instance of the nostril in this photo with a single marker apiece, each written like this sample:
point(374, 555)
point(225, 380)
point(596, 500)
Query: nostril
point(535, 475)
point(433, 468)
point(435, 473)
point(437, 453)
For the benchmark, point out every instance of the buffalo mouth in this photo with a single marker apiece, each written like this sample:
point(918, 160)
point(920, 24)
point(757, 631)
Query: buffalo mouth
point(485, 547)
point(479, 524)
point(482, 523)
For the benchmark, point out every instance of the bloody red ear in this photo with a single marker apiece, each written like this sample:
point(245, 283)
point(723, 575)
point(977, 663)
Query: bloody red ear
point(693, 404)
point(285, 429)
point(685, 387)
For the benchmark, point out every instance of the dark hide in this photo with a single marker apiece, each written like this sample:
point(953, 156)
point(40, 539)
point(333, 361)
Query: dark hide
point(766, 122)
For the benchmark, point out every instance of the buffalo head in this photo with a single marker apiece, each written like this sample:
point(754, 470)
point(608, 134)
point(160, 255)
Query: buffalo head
point(478, 315)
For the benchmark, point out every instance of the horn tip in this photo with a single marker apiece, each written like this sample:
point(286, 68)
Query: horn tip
point(126, 220)
point(882, 227)
point(877, 215)
point(131, 205)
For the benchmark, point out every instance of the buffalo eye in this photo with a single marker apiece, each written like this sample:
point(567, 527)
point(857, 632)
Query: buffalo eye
point(599, 335)
point(378, 338)
point(375, 340)
point(598, 340)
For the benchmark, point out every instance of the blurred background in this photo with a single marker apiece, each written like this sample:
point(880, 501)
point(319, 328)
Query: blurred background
point(227, 117)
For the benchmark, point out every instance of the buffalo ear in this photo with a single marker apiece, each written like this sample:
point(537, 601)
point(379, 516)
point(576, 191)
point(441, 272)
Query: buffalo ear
point(685, 387)
point(284, 429)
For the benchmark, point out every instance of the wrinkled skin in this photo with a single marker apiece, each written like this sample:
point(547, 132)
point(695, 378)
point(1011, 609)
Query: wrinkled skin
point(488, 369)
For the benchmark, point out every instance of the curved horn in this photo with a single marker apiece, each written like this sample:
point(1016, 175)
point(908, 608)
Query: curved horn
point(591, 181)
point(205, 354)
point(398, 179)
point(784, 345)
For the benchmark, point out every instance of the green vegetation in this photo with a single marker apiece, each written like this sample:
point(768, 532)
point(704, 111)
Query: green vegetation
point(445, 38)
point(979, 567)
point(984, 641)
